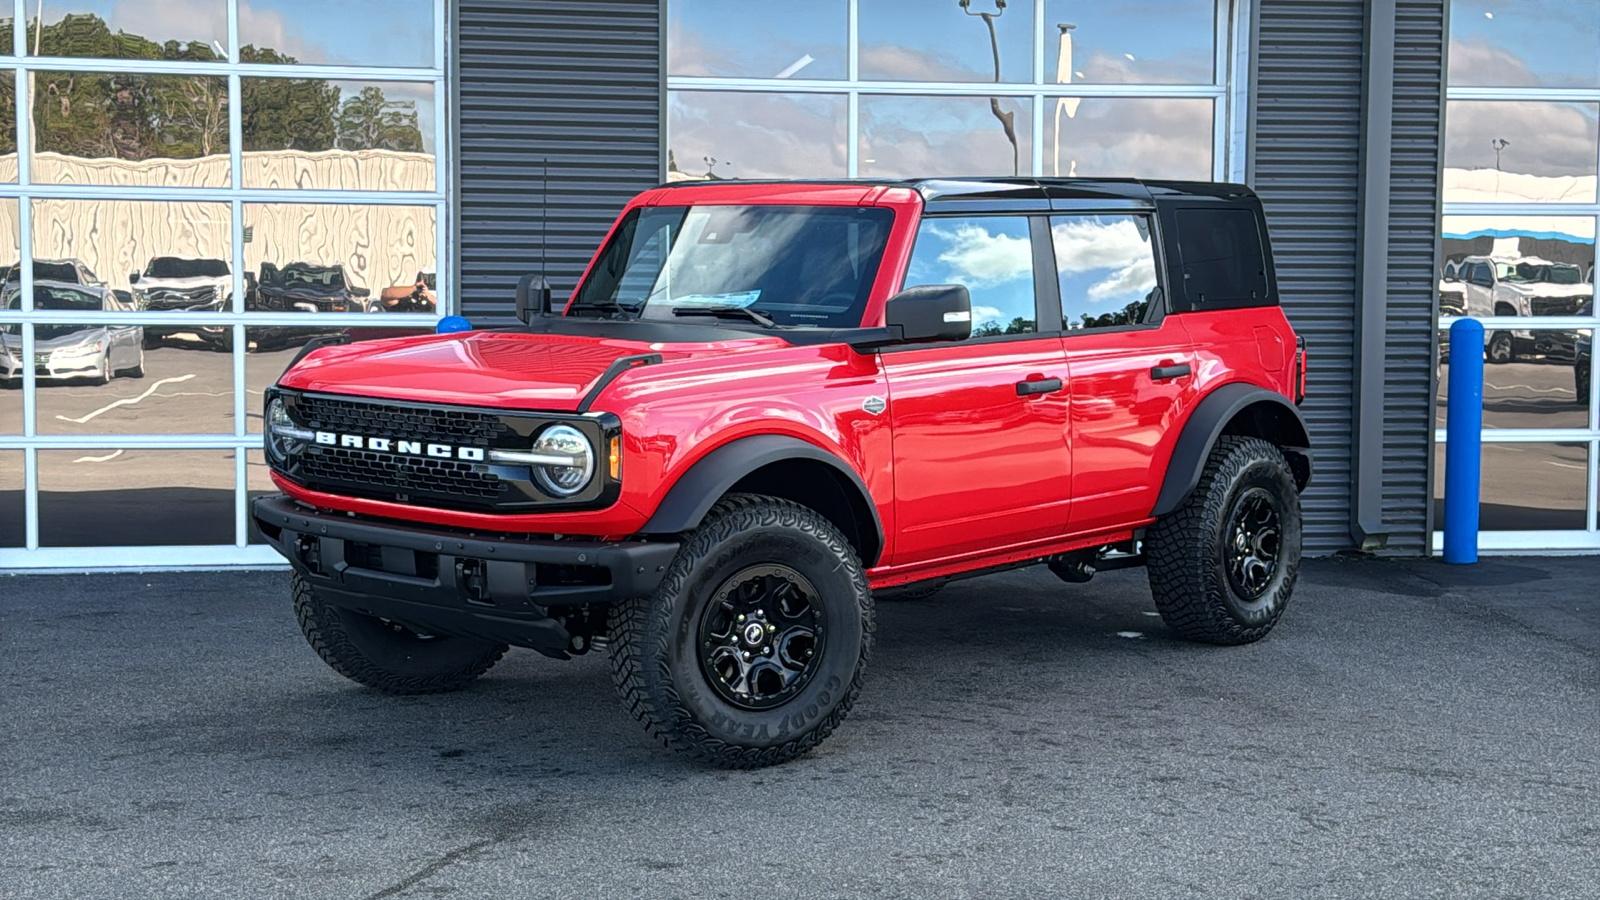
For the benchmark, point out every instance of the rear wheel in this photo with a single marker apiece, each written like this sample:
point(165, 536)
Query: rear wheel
point(386, 655)
point(1223, 565)
point(753, 648)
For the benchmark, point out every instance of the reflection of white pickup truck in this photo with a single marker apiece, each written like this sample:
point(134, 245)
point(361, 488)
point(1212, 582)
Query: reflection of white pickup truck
point(1520, 286)
point(171, 284)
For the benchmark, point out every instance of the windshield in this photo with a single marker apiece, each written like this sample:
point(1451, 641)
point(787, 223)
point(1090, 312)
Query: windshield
point(798, 265)
point(174, 267)
point(332, 276)
point(53, 298)
point(44, 270)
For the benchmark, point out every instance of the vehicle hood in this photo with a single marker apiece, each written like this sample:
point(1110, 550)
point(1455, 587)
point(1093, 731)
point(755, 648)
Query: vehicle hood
point(1547, 289)
point(88, 336)
point(492, 368)
point(148, 283)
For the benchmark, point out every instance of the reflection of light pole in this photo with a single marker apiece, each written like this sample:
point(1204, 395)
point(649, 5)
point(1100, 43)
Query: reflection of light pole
point(1068, 105)
point(1007, 119)
point(1498, 144)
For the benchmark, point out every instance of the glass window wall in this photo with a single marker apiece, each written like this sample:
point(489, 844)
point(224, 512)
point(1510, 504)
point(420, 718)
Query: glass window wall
point(204, 187)
point(893, 89)
point(1517, 252)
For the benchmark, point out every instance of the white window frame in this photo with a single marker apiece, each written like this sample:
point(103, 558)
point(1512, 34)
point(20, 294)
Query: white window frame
point(239, 552)
point(1228, 90)
point(1576, 540)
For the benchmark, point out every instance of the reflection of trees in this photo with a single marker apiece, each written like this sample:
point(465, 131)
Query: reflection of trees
point(138, 116)
point(1132, 314)
point(1018, 325)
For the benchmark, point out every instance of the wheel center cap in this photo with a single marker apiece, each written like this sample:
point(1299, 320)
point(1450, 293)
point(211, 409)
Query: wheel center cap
point(753, 633)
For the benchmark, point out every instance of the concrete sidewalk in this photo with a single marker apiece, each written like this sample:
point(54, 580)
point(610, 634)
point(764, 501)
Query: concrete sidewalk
point(1410, 730)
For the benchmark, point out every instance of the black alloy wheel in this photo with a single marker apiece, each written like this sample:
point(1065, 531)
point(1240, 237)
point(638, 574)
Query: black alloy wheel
point(760, 635)
point(1253, 536)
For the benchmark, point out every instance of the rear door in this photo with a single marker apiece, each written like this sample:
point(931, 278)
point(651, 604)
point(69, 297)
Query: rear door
point(980, 448)
point(1132, 364)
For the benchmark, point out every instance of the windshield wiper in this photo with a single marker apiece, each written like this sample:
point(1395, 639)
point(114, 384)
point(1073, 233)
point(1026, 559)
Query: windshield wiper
point(726, 312)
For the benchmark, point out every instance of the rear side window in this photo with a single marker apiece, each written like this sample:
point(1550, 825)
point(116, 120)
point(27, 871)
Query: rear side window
point(1221, 259)
point(1106, 267)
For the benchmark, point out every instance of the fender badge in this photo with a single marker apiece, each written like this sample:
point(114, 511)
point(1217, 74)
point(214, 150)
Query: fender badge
point(874, 405)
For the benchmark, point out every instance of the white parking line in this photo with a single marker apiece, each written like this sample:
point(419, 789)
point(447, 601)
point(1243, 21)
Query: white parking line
point(107, 458)
point(126, 401)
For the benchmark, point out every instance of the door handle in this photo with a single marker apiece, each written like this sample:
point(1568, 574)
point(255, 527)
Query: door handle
point(1038, 386)
point(1162, 373)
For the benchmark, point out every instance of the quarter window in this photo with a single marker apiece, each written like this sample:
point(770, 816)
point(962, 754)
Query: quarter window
point(1221, 257)
point(1106, 267)
point(993, 257)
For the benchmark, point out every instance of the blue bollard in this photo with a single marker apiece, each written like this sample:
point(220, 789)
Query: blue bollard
point(1463, 440)
point(453, 324)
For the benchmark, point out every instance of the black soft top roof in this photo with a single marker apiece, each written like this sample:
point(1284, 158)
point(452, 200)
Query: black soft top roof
point(1022, 192)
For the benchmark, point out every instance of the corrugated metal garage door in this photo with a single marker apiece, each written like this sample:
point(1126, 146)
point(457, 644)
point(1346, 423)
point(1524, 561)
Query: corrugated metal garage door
point(577, 84)
point(1413, 242)
point(1305, 163)
point(1305, 159)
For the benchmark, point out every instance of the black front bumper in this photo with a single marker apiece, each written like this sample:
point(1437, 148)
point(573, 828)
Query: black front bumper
point(504, 589)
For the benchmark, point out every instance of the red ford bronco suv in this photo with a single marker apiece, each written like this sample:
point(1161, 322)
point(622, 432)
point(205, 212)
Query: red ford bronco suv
point(765, 402)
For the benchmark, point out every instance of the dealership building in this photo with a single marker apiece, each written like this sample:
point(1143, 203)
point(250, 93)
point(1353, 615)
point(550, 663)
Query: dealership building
point(192, 189)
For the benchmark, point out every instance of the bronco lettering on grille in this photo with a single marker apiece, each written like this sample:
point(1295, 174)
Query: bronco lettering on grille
point(407, 448)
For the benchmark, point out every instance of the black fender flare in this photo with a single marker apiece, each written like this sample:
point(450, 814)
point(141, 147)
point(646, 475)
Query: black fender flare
point(1205, 425)
point(699, 488)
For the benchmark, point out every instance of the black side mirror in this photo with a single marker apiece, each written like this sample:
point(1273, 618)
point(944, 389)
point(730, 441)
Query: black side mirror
point(533, 297)
point(932, 312)
point(134, 278)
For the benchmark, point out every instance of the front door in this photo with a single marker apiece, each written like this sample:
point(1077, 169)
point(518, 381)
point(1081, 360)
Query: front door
point(980, 451)
point(1131, 364)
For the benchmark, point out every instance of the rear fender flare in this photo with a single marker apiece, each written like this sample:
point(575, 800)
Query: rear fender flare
point(1209, 421)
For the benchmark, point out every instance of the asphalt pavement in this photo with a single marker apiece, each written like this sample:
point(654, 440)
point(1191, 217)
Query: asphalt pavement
point(1410, 730)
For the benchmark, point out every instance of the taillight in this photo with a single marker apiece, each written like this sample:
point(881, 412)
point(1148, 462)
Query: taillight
point(1300, 359)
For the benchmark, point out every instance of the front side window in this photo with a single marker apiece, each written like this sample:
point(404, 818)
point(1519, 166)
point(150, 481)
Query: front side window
point(795, 265)
point(992, 256)
point(1106, 267)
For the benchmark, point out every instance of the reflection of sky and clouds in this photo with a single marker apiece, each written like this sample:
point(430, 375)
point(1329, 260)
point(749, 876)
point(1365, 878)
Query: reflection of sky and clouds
point(919, 41)
point(1104, 263)
point(991, 255)
point(1524, 43)
point(1523, 151)
point(332, 32)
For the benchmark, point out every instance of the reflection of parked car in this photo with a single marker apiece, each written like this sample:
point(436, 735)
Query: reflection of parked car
point(175, 284)
point(418, 296)
point(1515, 286)
point(62, 352)
point(302, 287)
point(62, 271)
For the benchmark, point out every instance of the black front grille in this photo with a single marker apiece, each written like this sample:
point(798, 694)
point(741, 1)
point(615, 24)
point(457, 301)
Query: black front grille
point(1555, 306)
point(393, 474)
point(462, 427)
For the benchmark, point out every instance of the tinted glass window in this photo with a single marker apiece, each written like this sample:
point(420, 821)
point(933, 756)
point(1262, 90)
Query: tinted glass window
point(1220, 251)
point(1106, 266)
point(992, 256)
point(799, 265)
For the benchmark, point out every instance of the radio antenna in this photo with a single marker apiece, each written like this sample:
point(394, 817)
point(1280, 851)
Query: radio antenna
point(544, 214)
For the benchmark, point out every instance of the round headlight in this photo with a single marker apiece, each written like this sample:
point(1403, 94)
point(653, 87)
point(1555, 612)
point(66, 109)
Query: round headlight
point(284, 438)
point(564, 480)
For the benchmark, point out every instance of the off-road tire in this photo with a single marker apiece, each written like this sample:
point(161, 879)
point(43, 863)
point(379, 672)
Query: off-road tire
point(906, 593)
point(656, 641)
point(1186, 551)
point(387, 657)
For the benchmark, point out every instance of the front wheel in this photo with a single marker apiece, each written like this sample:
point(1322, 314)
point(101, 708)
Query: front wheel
point(1222, 565)
point(386, 655)
point(753, 648)
point(1502, 348)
